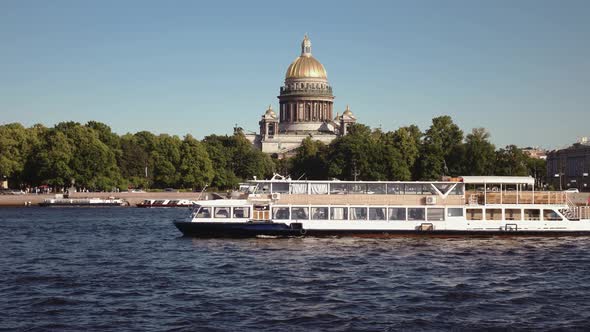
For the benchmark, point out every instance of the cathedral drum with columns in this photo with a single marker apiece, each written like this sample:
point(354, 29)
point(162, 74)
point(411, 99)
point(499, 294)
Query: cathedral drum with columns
point(306, 109)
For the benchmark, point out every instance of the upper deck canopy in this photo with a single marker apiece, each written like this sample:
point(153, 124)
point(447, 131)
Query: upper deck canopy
point(499, 180)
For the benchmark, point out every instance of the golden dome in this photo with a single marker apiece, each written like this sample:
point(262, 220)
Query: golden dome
point(306, 66)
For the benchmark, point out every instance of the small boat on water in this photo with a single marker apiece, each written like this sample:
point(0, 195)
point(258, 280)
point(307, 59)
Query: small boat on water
point(464, 206)
point(166, 203)
point(83, 202)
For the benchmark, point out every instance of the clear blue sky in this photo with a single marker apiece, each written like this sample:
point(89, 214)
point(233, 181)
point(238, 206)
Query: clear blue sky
point(521, 69)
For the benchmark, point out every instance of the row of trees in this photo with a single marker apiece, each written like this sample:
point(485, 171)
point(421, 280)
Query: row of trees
point(409, 154)
point(92, 156)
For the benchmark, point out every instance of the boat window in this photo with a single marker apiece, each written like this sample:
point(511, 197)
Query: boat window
point(455, 212)
point(242, 212)
point(338, 188)
point(280, 213)
point(339, 213)
point(413, 189)
point(397, 214)
point(222, 212)
point(319, 213)
point(299, 213)
point(513, 214)
point(428, 189)
point(159, 202)
point(474, 214)
point(551, 215)
point(204, 212)
point(318, 188)
point(395, 189)
point(298, 188)
point(358, 213)
point(415, 213)
point(493, 214)
point(357, 188)
point(264, 187)
point(443, 187)
point(282, 188)
point(458, 190)
point(436, 214)
point(376, 213)
point(532, 214)
point(376, 188)
point(173, 202)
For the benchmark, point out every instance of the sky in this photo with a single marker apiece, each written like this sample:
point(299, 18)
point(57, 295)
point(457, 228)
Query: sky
point(520, 69)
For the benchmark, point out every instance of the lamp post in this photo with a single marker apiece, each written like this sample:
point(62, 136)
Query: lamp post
point(559, 175)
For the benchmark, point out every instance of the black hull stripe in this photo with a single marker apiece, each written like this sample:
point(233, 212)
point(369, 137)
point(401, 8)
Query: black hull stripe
point(245, 230)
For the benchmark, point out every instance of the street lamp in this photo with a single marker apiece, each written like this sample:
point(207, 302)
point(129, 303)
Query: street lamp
point(558, 175)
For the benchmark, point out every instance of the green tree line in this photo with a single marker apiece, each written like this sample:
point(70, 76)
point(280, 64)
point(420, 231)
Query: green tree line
point(93, 157)
point(410, 154)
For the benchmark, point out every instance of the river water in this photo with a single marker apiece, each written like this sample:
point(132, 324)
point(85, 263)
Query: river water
point(126, 269)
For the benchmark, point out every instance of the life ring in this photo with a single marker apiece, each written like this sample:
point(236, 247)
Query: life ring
point(302, 231)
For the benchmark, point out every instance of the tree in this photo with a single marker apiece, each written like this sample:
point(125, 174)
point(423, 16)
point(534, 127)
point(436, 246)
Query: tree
point(480, 154)
point(220, 152)
point(15, 146)
point(407, 141)
point(196, 169)
point(93, 163)
point(511, 161)
point(310, 160)
point(133, 162)
point(440, 143)
point(51, 163)
point(234, 159)
point(166, 160)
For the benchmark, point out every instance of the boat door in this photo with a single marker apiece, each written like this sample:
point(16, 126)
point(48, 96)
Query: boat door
point(511, 227)
point(261, 212)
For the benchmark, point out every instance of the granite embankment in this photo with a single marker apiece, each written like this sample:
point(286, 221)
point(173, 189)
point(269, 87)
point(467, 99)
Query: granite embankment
point(132, 198)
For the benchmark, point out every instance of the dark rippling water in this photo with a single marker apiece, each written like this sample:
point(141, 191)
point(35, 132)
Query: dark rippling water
point(123, 269)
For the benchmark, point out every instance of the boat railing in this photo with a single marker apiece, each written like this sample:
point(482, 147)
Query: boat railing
point(514, 197)
point(584, 212)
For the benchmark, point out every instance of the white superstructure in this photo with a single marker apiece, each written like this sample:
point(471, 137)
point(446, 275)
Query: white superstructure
point(482, 204)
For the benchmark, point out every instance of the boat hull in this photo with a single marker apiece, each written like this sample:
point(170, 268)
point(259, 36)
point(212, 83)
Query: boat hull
point(254, 229)
point(236, 230)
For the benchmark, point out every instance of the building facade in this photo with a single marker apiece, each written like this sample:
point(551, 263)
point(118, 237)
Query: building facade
point(306, 107)
point(570, 168)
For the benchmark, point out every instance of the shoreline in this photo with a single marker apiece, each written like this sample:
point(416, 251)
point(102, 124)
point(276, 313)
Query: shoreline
point(29, 200)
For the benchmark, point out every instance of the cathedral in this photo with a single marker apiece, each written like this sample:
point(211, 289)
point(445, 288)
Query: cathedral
point(306, 106)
